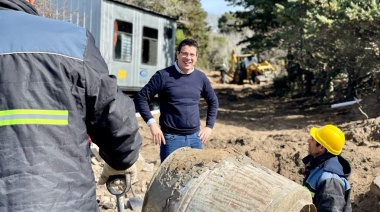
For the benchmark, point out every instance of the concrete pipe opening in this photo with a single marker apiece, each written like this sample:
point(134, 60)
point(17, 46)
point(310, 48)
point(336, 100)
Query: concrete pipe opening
point(221, 181)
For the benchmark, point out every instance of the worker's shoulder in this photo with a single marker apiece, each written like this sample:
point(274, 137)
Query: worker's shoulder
point(330, 177)
point(47, 35)
point(34, 23)
point(60, 29)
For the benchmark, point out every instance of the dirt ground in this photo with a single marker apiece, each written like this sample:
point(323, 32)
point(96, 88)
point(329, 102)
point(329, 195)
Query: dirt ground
point(273, 132)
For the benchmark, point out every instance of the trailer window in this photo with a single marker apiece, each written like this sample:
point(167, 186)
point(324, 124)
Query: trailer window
point(149, 46)
point(122, 41)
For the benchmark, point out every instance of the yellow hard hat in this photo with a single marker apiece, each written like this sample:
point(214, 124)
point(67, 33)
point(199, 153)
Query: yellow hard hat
point(329, 136)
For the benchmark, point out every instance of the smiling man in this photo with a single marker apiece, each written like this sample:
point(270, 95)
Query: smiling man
point(179, 88)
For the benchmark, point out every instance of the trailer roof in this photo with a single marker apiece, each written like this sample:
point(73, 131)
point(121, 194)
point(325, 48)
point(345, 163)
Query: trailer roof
point(143, 9)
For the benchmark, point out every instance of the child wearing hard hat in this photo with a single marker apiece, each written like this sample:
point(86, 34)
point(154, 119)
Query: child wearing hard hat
point(326, 171)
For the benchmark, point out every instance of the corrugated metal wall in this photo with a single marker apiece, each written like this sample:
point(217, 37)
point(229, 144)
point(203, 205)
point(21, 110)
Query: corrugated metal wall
point(98, 16)
point(138, 74)
point(85, 13)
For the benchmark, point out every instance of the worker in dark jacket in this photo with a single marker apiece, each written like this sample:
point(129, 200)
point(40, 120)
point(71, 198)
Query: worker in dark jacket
point(54, 90)
point(327, 171)
point(179, 88)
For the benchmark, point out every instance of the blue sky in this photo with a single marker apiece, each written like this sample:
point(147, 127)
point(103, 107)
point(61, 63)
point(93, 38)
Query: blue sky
point(217, 6)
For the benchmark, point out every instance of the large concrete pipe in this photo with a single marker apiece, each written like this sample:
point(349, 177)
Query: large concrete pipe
point(196, 180)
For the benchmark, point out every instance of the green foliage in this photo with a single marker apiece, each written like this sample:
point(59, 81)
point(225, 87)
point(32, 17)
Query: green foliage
point(196, 28)
point(337, 41)
point(337, 38)
point(179, 36)
point(259, 16)
point(227, 23)
point(216, 55)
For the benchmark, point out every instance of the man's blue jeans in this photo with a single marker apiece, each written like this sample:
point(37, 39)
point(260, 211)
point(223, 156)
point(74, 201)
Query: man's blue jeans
point(174, 142)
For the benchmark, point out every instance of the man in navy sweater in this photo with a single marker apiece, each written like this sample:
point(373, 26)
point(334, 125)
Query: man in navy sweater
point(179, 88)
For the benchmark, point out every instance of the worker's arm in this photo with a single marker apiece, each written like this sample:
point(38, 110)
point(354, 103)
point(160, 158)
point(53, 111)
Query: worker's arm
point(146, 95)
point(212, 110)
point(142, 99)
point(110, 114)
point(330, 196)
point(212, 103)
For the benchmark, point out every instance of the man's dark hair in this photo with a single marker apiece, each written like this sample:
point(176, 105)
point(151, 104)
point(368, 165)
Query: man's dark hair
point(187, 42)
point(326, 151)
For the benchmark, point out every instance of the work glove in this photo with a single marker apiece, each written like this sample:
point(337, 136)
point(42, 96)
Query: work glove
point(109, 171)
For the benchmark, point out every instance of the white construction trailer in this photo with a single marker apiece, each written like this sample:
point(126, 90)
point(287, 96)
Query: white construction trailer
point(134, 42)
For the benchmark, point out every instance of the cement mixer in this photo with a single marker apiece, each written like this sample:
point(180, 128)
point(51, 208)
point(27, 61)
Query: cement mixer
point(221, 181)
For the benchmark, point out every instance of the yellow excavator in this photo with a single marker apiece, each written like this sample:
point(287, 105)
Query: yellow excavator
point(246, 67)
point(260, 72)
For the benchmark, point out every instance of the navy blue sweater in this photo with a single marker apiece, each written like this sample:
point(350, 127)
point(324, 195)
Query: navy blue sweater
point(179, 98)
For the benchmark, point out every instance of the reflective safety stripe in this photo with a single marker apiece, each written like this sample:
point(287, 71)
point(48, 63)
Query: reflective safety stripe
point(30, 116)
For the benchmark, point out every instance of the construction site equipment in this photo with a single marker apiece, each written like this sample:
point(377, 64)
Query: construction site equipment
point(135, 203)
point(262, 72)
point(253, 72)
point(221, 181)
point(356, 101)
point(342, 104)
point(117, 185)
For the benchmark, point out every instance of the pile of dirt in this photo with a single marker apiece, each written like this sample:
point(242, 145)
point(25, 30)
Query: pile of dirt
point(274, 132)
